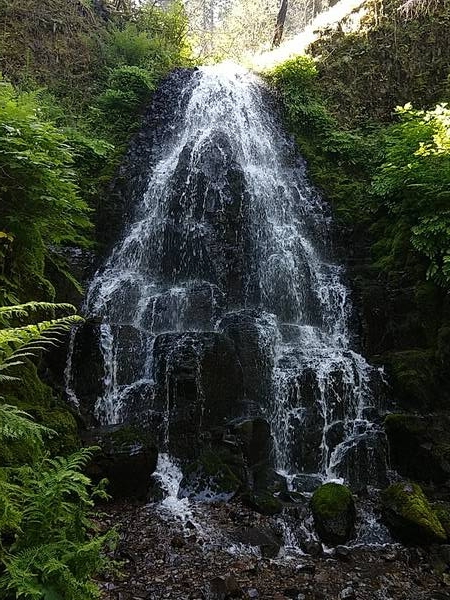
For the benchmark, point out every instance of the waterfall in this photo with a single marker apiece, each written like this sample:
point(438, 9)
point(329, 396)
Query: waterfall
point(222, 300)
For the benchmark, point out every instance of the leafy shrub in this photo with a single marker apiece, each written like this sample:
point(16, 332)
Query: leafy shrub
point(133, 79)
point(295, 79)
point(414, 182)
point(129, 88)
point(49, 546)
point(40, 205)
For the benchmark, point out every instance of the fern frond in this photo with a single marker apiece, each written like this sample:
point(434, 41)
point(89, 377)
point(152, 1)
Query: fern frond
point(15, 424)
point(41, 311)
point(20, 342)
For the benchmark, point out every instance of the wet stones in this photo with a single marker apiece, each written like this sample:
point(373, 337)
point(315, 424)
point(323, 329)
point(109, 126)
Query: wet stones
point(254, 337)
point(364, 461)
point(266, 538)
point(236, 460)
point(334, 513)
point(195, 305)
point(409, 515)
point(127, 457)
point(263, 502)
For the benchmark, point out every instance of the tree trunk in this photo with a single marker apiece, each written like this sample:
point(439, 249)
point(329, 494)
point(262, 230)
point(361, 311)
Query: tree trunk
point(281, 18)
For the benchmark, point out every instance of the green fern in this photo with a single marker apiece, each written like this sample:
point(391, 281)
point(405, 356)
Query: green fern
point(31, 310)
point(19, 343)
point(48, 546)
point(54, 552)
point(15, 424)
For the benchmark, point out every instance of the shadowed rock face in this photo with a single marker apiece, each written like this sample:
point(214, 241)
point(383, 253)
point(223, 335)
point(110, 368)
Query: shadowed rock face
point(219, 320)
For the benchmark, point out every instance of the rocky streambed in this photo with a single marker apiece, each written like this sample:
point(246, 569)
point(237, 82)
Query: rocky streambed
point(218, 551)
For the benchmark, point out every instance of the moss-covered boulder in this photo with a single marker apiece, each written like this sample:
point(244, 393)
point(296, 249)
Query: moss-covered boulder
point(334, 513)
point(409, 515)
point(215, 474)
point(442, 511)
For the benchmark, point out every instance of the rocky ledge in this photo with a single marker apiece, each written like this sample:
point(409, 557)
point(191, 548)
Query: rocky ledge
point(162, 557)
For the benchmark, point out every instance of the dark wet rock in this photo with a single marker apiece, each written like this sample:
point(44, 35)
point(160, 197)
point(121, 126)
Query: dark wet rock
point(223, 588)
point(217, 251)
point(334, 513)
point(88, 369)
point(416, 378)
point(78, 262)
point(343, 553)
point(264, 503)
point(420, 446)
point(214, 475)
point(197, 305)
point(312, 547)
point(199, 380)
point(238, 458)
point(254, 338)
point(409, 515)
point(364, 462)
point(267, 539)
point(127, 458)
point(347, 593)
point(253, 593)
point(291, 497)
point(304, 482)
point(256, 443)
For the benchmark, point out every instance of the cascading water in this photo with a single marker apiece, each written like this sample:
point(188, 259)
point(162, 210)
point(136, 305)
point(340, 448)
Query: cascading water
point(221, 301)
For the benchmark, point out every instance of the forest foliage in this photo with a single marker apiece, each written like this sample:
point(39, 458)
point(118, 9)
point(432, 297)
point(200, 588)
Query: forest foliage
point(67, 111)
point(48, 544)
point(379, 164)
point(74, 85)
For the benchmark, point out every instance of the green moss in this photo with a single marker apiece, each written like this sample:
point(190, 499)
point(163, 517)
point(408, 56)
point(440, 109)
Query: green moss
point(217, 469)
point(414, 376)
point(128, 436)
point(37, 399)
point(390, 60)
point(410, 515)
point(331, 500)
point(264, 503)
point(442, 512)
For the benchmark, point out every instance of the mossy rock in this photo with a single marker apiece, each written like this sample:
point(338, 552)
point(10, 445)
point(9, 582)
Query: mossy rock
point(414, 377)
point(420, 446)
point(409, 515)
point(214, 474)
point(334, 513)
point(442, 512)
point(264, 503)
point(34, 397)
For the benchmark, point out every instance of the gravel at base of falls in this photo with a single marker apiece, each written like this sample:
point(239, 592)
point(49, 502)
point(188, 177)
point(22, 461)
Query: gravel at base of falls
point(161, 558)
